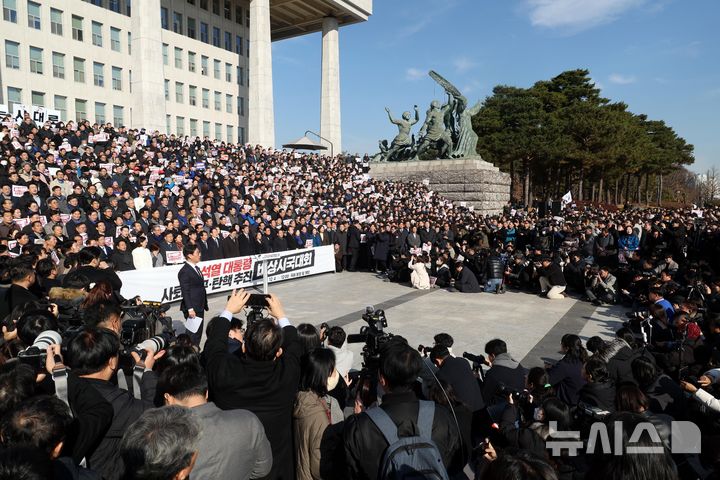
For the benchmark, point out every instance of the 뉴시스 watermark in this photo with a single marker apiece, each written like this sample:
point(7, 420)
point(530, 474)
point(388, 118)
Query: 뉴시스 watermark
point(685, 438)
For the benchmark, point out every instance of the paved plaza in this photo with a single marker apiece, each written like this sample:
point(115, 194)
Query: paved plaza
point(531, 326)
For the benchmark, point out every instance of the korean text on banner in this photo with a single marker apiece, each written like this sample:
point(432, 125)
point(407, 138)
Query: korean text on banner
point(161, 284)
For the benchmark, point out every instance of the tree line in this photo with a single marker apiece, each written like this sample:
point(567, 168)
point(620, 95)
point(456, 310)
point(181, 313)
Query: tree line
point(561, 135)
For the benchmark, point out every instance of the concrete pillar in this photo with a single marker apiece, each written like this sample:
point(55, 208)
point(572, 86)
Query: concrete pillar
point(330, 85)
point(261, 116)
point(147, 102)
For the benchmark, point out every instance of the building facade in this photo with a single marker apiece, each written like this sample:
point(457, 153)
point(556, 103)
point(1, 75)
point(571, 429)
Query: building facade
point(189, 67)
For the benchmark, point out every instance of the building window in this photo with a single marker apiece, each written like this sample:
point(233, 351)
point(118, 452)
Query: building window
point(12, 55)
point(179, 92)
point(164, 17)
point(128, 7)
point(37, 99)
point(61, 105)
point(10, 13)
point(238, 45)
point(56, 23)
point(129, 79)
point(218, 131)
point(14, 97)
point(218, 100)
point(205, 98)
point(165, 48)
point(193, 127)
point(228, 42)
point(240, 76)
point(178, 57)
point(216, 37)
point(34, 15)
point(206, 129)
point(228, 105)
point(117, 78)
point(238, 20)
point(114, 5)
point(100, 112)
point(97, 39)
point(216, 69)
point(58, 63)
point(191, 61)
point(167, 124)
point(204, 4)
point(177, 23)
point(97, 3)
point(167, 90)
point(180, 126)
point(203, 32)
point(77, 28)
point(204, 65)
point(115, 39)
point(192, 95)
point(229, 136)
point(228, 72)
point(241, 135)
point(118, 115)
point(79, 69)
point(129, 41)
point(191, 28)
point(247, 19)
point(216, 7)
point(241, 106)
point(36, 60)
point(80, 109)
point(98, 74)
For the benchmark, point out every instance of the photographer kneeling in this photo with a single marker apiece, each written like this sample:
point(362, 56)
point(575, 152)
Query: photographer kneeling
point(602, 288)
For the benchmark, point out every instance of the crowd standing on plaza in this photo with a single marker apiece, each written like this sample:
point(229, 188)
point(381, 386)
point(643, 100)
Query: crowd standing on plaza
point(267, 399)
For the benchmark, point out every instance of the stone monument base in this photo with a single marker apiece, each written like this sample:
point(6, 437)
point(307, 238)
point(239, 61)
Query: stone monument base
point(471, 180)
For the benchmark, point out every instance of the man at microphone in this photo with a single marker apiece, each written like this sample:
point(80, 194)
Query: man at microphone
point(194, 299)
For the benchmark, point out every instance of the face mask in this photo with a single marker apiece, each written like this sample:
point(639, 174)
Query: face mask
point(333, 380)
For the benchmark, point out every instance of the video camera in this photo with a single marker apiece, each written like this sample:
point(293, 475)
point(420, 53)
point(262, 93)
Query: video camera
point(373, 336)
point(257, 303)
point(139, 330)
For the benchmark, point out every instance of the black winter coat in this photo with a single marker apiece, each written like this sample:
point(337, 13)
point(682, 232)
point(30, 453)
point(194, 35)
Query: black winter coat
point(266, 388)
point(494, 267)
point(567, 379)
point(365, 444)
point(598, 394)
point(457, 372)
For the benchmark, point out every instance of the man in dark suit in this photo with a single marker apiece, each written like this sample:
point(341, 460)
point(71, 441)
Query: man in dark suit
point(203, 244)
point(230, 248)
point(22, 278)
point(89, 259)
point(194, 298)
point(353, 245)
point(245, 242)
point(214, 245)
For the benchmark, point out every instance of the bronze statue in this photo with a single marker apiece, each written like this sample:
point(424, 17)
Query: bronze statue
point(447, 128)
point(401, 147)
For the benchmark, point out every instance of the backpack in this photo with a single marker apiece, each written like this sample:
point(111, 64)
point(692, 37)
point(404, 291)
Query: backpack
point(409, 458)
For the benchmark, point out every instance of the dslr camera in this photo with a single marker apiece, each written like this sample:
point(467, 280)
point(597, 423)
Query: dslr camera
point(35, 354)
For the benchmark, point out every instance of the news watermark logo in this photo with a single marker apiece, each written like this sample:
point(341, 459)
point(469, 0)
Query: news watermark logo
point(684, 438)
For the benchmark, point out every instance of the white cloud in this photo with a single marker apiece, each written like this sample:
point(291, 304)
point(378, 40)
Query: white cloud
point(413, 74)
point(620, 79)
point(463, 64)
point(577, 14)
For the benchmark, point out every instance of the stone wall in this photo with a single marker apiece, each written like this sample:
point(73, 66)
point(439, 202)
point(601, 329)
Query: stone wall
point(470, 180)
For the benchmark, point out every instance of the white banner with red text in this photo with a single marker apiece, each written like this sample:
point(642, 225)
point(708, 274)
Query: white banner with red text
point(161, 284)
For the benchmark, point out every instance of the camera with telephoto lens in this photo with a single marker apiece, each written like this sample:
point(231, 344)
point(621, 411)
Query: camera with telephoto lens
point(477, 360)
point(35, 354)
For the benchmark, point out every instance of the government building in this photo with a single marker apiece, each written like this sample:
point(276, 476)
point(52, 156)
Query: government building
point(189, 67)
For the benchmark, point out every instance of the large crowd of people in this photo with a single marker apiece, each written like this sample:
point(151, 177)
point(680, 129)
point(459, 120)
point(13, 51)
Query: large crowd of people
point(81, 202)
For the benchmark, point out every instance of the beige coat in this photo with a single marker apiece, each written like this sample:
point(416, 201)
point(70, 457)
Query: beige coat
point(310, 419)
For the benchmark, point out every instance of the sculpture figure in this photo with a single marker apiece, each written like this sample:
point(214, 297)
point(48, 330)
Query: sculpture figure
point(434, 133)
point(447, 128)
point(403, 140)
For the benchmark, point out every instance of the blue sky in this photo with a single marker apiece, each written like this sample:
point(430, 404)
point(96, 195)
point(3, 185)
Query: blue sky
point(661, 57)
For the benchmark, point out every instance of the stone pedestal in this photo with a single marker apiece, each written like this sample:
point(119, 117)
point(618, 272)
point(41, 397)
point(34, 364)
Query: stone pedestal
point(472, 180)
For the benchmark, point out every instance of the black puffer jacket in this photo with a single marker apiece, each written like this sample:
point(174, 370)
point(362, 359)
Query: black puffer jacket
point(365, 444)
point(494, 267)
